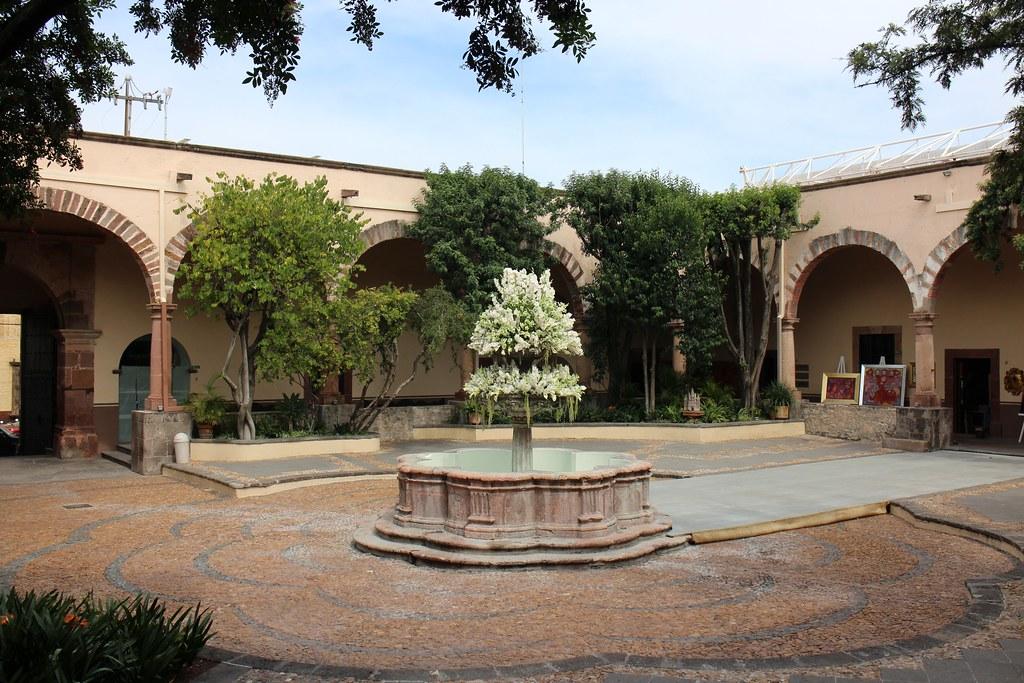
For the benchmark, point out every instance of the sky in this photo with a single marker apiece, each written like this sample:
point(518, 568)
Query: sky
point(696, 89)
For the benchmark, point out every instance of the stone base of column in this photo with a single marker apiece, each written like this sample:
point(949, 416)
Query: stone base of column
point(153, 438)
point(76, 442)
point(925, 399)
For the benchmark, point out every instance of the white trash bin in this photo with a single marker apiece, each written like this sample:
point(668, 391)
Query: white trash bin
point(181, 448)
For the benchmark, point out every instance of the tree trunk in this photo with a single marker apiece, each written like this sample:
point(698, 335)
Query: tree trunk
point(246, 383)
point(643, 363)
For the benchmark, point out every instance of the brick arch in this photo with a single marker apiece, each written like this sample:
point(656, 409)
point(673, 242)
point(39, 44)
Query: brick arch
point(821, 247)
point(145, 251)
point(382, 232)
point(396, 229)
point(174, 253)
point(936, 262)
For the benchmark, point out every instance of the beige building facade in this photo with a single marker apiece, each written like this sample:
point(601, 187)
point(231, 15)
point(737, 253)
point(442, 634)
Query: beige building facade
point(91, 278)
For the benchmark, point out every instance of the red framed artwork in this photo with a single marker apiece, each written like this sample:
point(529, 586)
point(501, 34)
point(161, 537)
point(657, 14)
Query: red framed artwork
point(840, 387)
point(882, 385)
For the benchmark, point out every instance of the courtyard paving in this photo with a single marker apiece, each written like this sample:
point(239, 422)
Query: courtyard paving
point(669, 459)
point(856, 599)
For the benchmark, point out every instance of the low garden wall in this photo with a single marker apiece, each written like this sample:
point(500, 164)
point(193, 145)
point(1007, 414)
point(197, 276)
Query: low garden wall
point(395, 423)
point(233, 450)
point(845, 421)
point(654, 431)
point(907, 428)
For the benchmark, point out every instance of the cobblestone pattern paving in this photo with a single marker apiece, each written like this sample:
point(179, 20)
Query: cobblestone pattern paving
point(287, 588)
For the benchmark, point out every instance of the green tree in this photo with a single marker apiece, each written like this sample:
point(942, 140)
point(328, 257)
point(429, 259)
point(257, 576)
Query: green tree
point(51, 54)
point(270, 260)
point(647, 232)
point(44, 70)
point(748, 228)
point(370, 328)
point(949, 39)
point(474, 225)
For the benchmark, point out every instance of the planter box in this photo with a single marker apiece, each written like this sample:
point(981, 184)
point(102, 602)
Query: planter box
point(233, 450)
point(395, 423)
point(654, 431)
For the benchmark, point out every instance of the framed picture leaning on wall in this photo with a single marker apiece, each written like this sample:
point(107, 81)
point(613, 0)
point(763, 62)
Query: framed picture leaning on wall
point(840, 387)
point(883, 385)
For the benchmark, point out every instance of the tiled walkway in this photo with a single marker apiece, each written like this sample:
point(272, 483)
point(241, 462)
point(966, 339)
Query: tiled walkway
point(874, 599)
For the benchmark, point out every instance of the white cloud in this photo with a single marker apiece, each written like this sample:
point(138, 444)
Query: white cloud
point(693, 88)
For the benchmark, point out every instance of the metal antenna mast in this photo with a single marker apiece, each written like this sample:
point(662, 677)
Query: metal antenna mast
point(145, 98)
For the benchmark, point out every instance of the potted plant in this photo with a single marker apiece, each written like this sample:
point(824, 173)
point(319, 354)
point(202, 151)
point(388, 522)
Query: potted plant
point(208, 409)
point(474, 410)
point(778, 398)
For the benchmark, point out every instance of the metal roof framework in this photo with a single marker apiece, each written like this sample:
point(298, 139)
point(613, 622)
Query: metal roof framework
point(962, 143)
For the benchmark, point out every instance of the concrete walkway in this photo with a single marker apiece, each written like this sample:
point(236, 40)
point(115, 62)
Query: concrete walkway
point(721, 501)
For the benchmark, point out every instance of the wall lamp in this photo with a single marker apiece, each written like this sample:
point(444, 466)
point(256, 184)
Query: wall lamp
point(923, 197)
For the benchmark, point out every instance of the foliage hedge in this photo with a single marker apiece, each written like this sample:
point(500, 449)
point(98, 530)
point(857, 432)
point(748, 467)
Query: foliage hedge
point(58, 638)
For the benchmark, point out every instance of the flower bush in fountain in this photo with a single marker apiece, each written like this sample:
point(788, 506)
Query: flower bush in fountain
point(523, 329)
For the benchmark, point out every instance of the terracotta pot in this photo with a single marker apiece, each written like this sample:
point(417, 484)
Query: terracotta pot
point(780, 412)
point(205, 431)
point(693, 414)
point(474, 418)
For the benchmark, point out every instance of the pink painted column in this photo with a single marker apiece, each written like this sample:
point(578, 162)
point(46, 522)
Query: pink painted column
point(678, 357)
point(924, 357)
point(787, 353)
point(160, 397)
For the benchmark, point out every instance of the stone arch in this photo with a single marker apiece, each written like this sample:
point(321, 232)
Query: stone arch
point(174, 253)
point(382, 232)
point(819, 248)
point(937, 259)
point(396, 229)
point(145, 251)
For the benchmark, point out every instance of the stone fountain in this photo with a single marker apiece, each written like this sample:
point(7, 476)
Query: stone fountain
point(522, 506)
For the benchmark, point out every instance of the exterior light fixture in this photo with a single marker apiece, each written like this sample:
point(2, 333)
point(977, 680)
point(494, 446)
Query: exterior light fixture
point(923, 197)
point(182, 177)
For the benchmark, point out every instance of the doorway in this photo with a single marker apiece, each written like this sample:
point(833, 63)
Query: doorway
point(872, 344)
point(133, 381)
point(30, 362)
point(972, 391)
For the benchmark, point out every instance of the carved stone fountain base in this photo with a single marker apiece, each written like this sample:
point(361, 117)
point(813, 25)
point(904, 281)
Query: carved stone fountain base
point(576, 507)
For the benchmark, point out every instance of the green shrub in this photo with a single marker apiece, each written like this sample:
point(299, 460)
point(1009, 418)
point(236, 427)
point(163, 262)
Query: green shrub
point(716, 412)
point(207, 407)
point(295, 413)
point(749, 414)
point(57, 637)
point(777, 394)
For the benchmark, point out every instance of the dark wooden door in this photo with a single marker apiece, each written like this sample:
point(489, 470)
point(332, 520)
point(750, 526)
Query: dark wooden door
point(38, 366)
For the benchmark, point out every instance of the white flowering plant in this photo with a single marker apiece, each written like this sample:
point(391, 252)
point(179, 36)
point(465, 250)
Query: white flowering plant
point(523, 329)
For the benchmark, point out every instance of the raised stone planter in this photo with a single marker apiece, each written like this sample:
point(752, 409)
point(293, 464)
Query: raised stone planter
point(395, 423)
point(905, 428)
point(450, 515)
point(845, 421)
point(232, 450)
point(655, 431)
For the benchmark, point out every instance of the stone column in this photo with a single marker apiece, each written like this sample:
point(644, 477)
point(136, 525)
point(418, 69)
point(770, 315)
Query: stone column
point(787, 354)
point(75, 425)
point(160, 358)
point(678, 358)
point(924, 357)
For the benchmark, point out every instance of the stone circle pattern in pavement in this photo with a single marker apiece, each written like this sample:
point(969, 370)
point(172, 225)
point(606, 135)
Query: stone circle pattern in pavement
point(285, 583)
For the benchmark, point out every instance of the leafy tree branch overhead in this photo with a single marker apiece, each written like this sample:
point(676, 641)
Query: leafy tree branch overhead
point(53, 58)
point(943, 39)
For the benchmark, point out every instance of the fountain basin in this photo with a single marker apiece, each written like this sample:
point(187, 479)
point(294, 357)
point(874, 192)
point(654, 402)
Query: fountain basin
point(467, 507)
